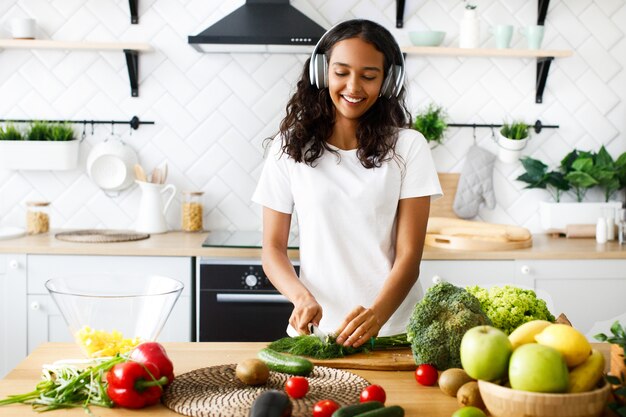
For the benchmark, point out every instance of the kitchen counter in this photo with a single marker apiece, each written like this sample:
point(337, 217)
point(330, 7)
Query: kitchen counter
point(401, 387)
point(190, 244)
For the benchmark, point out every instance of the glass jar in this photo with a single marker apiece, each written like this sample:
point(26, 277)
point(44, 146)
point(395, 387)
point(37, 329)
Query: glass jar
point(37, 217)
point(192, 211)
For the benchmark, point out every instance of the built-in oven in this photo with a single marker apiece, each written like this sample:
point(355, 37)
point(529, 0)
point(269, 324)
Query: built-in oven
point(237, 302)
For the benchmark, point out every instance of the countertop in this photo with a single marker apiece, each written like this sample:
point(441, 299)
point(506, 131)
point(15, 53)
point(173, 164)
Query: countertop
point(190, 244)
point(400, 386)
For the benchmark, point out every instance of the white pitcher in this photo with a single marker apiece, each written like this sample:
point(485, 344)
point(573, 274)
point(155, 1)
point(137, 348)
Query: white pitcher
point(151, 215)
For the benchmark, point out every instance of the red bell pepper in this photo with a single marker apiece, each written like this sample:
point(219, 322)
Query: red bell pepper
point(135, 385)
point(153, 352)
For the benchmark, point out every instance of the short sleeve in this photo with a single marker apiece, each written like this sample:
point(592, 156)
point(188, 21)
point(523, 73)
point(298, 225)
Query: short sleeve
point(419, 177)
point(274, 187)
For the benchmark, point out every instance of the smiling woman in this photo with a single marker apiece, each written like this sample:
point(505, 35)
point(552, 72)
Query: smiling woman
point(360, 182)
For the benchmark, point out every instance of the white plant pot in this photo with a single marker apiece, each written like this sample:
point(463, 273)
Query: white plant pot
point(469, 34)
point(39, 155)
point(557, 216)
point(510, 150)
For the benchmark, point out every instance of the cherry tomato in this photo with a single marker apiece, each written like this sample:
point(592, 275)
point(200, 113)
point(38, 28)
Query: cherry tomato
point(297, 386)
point(325, 408)
point(426, 375)
point(373, 393)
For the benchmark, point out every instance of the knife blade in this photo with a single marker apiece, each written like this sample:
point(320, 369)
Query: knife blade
point(315, 331)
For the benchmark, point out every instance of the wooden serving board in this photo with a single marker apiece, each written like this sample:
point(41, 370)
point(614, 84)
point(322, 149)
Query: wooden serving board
point(379, 360)
point(474, 242)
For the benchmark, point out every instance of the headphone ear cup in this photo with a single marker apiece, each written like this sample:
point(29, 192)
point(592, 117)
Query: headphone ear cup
point(386, 90)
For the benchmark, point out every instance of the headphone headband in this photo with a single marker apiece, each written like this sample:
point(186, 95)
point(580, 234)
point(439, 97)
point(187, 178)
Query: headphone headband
point(318, 70)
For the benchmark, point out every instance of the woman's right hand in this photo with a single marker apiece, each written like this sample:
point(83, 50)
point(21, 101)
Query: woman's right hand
point(305, 311)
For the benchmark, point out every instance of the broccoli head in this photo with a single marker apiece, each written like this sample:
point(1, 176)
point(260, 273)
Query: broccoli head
point(509, 307)
point(439, 322)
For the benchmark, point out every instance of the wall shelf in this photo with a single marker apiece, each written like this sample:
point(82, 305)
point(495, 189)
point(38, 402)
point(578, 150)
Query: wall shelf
point(544, 58)
point(131, 51)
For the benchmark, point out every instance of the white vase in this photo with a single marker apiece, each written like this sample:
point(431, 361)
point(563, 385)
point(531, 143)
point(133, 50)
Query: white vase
point(510, 150)
point(469, 36)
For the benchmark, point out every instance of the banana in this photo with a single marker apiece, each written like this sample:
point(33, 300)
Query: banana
point(586, 375)
point(526, 332)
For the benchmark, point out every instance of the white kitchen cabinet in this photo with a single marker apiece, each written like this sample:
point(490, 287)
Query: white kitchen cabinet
point(12, 306)
point(591, 293)
point(464, 273)
point(45, 322)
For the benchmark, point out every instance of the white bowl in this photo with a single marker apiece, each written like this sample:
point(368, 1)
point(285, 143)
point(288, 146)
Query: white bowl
point(426, 37)
point(110, 165)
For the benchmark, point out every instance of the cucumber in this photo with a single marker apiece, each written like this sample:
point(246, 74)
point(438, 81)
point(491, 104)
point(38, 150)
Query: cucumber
point(288, 364)
point(357, 409)
point(391, 411)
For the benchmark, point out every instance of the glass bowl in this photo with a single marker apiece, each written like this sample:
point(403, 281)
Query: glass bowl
point(111, 314)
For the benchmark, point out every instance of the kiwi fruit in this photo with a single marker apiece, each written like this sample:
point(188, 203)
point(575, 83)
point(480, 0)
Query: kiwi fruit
point(452, 379)
point(469, 394)
point(252, 372)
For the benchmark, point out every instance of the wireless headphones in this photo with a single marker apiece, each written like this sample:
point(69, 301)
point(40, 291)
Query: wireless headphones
point(318, 70)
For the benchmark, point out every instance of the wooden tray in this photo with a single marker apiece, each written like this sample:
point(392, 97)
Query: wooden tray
point(474, 243)
point(380, 360)
point(216, 391)
point(100, 236)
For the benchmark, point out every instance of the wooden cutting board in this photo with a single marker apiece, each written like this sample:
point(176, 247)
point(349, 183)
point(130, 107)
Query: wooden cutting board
point(474, 243)
point(380, 360)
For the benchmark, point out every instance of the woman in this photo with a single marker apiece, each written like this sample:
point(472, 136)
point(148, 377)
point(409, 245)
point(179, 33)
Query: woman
point(360, 183)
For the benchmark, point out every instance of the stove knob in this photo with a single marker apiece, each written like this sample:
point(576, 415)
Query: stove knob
point(251, 280)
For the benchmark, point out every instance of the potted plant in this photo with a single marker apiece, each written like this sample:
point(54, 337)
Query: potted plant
point(537, 176)
point(432, 124)
point(617, 376)
point(42, 146)
point(512, 138)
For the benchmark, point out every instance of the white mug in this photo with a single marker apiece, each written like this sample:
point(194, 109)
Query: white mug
point(503, 35)
point(23, 28)
point(534, 34)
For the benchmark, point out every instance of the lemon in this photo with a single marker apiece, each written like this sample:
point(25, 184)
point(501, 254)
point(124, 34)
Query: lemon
point(526, 332)
point(571, 343)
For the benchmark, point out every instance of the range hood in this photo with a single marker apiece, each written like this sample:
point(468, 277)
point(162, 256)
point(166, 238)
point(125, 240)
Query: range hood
point(260, 26)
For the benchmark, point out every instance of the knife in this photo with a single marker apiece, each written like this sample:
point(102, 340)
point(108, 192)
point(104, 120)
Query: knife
point(315, 331)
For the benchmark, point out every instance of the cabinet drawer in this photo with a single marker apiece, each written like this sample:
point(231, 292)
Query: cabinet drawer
point(41, 268)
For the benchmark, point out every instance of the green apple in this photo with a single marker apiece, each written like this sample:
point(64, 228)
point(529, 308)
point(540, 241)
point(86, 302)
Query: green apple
point(485, 353)
point(538, 368)
point(469, 411)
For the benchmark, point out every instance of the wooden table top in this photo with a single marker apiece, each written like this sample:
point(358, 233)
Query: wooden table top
point(400, 386)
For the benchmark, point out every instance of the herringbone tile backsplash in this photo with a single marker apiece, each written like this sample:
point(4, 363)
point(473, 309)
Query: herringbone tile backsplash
point(212, 111)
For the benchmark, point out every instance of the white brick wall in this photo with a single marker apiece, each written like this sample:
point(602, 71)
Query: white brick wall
point(212, 111)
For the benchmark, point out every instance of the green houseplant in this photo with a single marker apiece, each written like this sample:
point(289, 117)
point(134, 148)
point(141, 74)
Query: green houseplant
point(512, 139)
point(538, 176)
point(41, 146)
point(617, 376)
point(431, 123)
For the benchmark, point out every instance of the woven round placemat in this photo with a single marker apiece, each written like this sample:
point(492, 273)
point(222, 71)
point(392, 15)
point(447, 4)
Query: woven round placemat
point(100, 236)
point(216, 391)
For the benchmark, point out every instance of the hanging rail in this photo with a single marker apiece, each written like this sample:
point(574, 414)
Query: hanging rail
point(537, 126)
point(134, 122)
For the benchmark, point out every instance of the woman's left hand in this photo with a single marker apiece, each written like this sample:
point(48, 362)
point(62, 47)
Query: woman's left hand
point(358, 327)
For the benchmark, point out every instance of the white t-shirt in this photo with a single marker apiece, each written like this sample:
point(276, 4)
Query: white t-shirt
point(347, 221)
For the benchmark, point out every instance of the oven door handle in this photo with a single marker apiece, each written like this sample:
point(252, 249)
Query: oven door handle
point(251, 298)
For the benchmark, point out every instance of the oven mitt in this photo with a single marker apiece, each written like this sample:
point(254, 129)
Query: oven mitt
point(475, 184)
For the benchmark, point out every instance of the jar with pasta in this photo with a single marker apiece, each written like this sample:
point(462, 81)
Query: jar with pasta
point(37, 217)
point(192, 211)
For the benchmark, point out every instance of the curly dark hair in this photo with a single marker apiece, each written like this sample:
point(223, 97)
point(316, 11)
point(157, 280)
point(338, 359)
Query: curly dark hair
point(311, 113)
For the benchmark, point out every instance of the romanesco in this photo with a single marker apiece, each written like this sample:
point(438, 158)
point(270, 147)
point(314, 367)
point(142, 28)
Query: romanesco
point(439, 322)
point(509, 307)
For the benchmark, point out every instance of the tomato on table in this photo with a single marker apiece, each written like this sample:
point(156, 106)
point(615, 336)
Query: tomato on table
point(426, 374)
point(325, 408)
point(373, 393)
point(297, 386)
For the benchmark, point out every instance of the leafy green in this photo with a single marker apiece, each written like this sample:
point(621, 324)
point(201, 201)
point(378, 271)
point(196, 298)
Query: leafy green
point(508, 307)
point(578, 166)
point(38, 131)
point(515, 130)
point(618, 381)
point(67, 386)
point(10, 132)
point(431, 123)
point(537, 176)
point(438, 323)
point(313, 347)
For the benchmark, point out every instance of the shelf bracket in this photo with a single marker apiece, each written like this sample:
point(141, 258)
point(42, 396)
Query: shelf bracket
point(543, 67)
point(134, 19)
point(132, 62)
point(543, 11)
point(400, 13)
